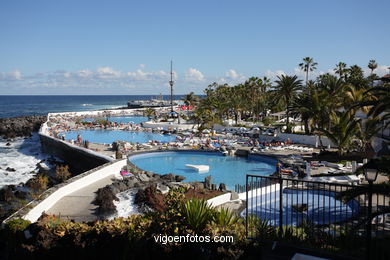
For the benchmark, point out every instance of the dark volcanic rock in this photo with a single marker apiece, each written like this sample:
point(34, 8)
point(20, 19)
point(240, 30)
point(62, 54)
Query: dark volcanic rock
point(20, 126)
point(9, 169)
point(179, 178)
point(168, 177)
point(207, 182)
point(222, 187)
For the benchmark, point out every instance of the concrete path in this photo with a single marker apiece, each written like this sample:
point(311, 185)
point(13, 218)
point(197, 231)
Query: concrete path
point(79, 204)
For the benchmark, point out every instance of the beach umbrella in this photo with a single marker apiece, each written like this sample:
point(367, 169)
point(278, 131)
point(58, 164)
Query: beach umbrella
point(206, 131)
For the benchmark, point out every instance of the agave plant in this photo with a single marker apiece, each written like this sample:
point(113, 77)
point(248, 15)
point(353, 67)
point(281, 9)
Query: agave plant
point(224, 217)
point(197, 214)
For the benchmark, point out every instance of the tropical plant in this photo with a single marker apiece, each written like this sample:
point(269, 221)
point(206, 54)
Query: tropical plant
point(341, 69)
point(224, 217)
point(372, 65)
point(380, 105)
point(355, 77)
point(308, 65)
point(197, 214)
point(190, 99)
point(286, 89)
point(367, 131)
point(344, 127)
point(149, 112)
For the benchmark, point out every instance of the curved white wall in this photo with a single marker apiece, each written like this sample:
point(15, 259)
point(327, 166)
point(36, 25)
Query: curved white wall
point(53, 198)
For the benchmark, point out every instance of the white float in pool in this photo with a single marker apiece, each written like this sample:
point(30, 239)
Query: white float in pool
point(200, 168)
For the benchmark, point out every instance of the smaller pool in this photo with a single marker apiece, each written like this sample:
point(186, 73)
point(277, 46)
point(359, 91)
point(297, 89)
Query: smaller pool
point(230, 170)
point(109, 136)
point(122, 119)
point(321, 207)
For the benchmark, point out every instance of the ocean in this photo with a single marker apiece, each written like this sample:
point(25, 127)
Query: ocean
point(11, 106)
point(22, 154)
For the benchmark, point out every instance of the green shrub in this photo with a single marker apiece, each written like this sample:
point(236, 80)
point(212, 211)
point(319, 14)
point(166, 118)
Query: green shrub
point(266, 121)
point(62, 172)
point(39, 183)
point(16, 225)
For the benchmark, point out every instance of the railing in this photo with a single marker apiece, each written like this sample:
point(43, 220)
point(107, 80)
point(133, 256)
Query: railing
point(324, 216)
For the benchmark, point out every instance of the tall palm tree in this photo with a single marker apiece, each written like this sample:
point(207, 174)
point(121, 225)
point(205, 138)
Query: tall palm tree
point(286, 89)
point(334, 89)
point(341, 69)
point(372, 65)
point(256, 95)
point(355, 77)
point(307, 65)
point(302, 106)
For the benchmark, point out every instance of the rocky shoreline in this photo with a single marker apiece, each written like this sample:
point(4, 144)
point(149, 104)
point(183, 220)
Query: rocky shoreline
point(21, 126)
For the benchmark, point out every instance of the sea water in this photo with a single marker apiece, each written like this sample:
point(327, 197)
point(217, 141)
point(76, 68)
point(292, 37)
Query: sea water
point(22, 154)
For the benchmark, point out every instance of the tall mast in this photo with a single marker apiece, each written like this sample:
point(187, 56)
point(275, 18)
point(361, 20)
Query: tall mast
point(171, 84)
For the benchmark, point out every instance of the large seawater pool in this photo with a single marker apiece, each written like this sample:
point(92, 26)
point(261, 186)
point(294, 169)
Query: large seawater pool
point(230, 170)
point(109, 136)
point(122, 119)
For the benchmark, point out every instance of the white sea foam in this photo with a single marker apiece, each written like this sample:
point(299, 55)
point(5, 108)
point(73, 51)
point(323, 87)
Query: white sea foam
point(86, 105)
point(23, 156)
point(125, 206)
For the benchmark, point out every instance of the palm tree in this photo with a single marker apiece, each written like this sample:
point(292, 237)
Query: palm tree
point(355, 97)
point(355, 77)
point(149, 112)
point(256, 95)
point(380, 103)
point(333, 89)
point(372, 65)
point(190, 99)
point(341, 69)
point(307, 65)
point(368, 130)
point(286, 89)
point(344, 127)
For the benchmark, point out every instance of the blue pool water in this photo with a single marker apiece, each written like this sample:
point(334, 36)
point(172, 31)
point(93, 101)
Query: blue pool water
point(230, 170)
point(123, 119)
point(322, 207)
point(109, 136)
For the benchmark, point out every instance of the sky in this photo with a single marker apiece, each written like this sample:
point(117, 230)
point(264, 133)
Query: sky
point(125, 47)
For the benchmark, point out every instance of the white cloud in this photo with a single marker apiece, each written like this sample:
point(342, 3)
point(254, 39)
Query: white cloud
point(194, 75)
point(380, 71)
point(16, 75)
point(231, 74)
point(142, 66)
point(108, 72)
point(274, 74)
point(84, 73)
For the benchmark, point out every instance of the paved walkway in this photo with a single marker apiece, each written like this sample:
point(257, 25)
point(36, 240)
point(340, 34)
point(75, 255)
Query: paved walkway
point(79, 205)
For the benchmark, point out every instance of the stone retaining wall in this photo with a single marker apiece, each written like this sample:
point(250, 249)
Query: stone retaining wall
point(80, 158)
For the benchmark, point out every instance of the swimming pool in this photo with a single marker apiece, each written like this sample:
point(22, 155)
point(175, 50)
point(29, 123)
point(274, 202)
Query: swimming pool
point(321, 207)
point(109, 136)
point(230, 170)
point(122, 119)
